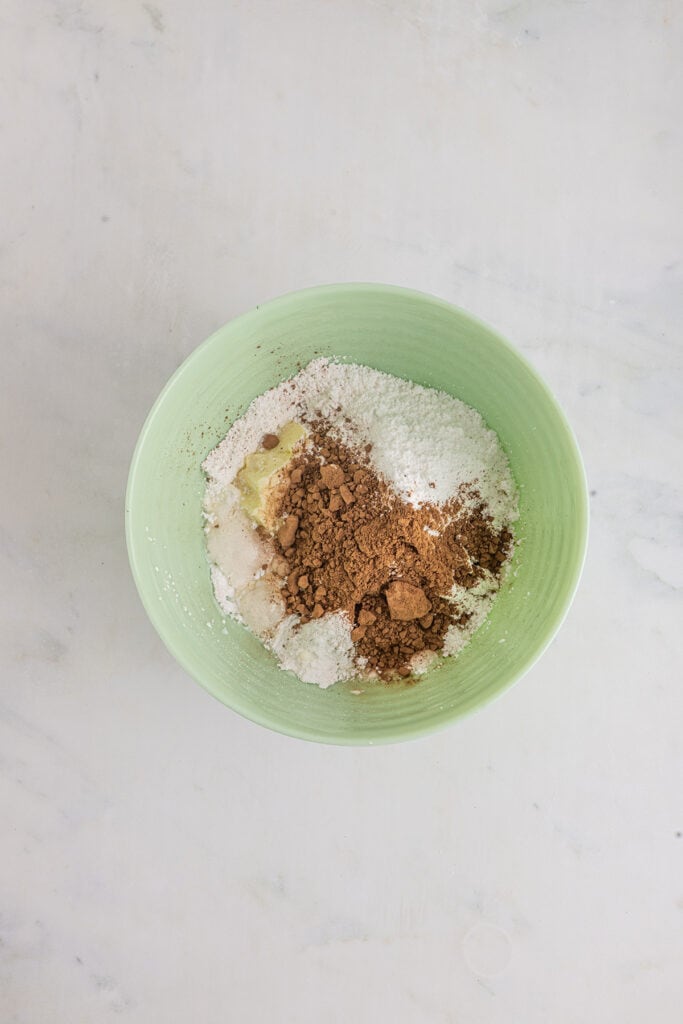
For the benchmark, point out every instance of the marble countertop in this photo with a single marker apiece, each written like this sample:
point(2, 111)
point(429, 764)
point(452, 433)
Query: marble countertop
point(166, 167)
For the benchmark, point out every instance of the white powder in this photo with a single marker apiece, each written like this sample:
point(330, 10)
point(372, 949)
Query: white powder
point(477, 601)
point(225, 594)
point(420, 437)
point(321, 651)
point(235, 549)
point(425, 443)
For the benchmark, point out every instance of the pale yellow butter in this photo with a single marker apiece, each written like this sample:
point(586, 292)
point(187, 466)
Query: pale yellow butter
point(258, 476)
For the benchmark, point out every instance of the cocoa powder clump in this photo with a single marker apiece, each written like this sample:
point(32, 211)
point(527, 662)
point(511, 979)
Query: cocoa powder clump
point(406, 601)
point(348, 543)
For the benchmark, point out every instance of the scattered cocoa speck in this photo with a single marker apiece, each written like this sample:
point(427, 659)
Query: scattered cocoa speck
point(426, 620)
point(296, 476)
point(303, 582)
point(335, 503)
point(269, 441)
point(318, 612)
point(365, 618)
point(346, 494)
point(403, 671)
point(358, 633)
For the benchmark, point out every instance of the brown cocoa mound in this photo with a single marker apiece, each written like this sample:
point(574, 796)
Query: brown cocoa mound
point(348, 543)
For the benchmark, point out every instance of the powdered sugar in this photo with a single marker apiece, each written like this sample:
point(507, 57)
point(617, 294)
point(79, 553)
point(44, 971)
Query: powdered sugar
point(319, 652)
point(426, 443)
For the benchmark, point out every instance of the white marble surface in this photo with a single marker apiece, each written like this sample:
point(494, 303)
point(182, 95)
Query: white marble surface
point(167, 165)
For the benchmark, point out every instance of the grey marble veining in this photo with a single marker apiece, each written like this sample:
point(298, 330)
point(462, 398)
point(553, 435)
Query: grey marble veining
point(166, 167)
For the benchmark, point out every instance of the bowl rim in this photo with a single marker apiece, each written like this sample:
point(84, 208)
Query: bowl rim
point(405, 732)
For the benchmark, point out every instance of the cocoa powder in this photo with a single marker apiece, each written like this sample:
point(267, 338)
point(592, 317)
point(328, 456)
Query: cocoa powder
point(348, 543)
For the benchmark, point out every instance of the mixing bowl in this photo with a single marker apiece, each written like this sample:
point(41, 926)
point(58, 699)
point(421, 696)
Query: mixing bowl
point(414, 336)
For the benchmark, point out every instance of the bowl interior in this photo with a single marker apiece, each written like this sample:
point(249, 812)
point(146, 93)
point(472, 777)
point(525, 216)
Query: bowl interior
point(410, 335)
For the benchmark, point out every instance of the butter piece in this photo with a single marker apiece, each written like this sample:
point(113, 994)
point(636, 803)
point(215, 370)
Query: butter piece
point(258, 474)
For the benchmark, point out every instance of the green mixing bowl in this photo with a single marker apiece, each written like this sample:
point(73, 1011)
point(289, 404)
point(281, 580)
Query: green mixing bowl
point(411, 335)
